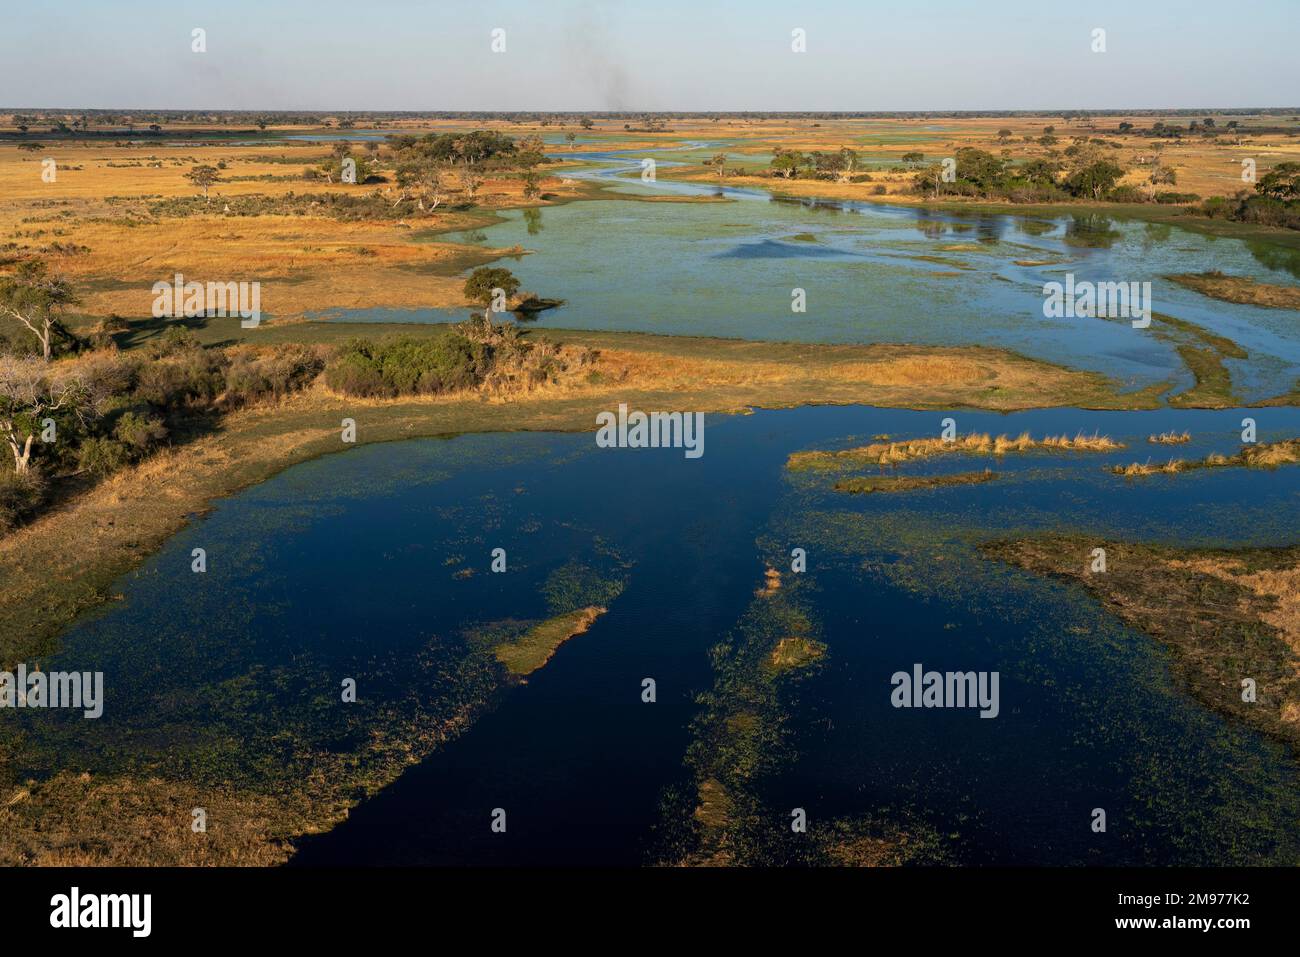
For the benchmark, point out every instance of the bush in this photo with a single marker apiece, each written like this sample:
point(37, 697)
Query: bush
point(103, 456)
point(406, 365)
point(20, 495)
point(1126, 194)
point(193, 376)
point(283, 371)
point(139, 432)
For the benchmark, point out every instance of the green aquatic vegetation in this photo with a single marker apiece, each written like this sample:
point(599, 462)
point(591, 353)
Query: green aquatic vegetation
point(576, 584)
point(1228, 615)
point(868, 484)
point(741, 742)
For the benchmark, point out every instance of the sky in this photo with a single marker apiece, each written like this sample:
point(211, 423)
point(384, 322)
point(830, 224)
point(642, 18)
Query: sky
point(631, 55)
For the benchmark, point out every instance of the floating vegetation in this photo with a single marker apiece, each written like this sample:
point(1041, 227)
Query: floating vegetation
point(1266, 455)
point(1239, 289)
point(534, 648)
point(892, 453)
point(1170, 438)
point(741, 743)
point(1232, 616)
point(771, 583)
point(794, 652)
point(867, 484)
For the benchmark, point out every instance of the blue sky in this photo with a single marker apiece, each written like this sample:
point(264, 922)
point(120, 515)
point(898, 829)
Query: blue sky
point(650, 54)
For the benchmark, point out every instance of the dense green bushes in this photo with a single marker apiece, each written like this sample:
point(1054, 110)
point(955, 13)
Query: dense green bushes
point(119, 407)
point(406, 365)
point(1259, 210)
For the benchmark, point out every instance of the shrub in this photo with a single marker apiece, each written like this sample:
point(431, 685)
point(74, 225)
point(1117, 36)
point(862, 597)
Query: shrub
point(194, 376)
point(103, 456)
point(406, 365)
point(139, 432)
point(20, 495)
point(283, 371)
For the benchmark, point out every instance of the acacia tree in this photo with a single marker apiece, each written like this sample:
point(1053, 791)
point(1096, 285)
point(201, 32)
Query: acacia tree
point(34, 297)
point(31, 392)
point(203, 177)
point(718, 162)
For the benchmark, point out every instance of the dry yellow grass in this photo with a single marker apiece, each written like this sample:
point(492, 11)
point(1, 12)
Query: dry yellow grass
point(771, 583)
point(303, 262)
point(1266, 455)
point(894, 453)
point(1170, 438)
point(794, 652)
point(1241, 289)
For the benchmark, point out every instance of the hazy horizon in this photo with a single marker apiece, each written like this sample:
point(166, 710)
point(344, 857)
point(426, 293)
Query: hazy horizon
point(584, 55)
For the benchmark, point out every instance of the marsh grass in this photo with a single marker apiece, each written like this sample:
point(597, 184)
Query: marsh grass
point(1227, 614)
point(1266, 455)
point(869, 484)
point(910, 450)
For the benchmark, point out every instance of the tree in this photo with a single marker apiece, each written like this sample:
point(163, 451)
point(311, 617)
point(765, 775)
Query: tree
point(913, 156)
point(1004, 136)
point(532, 185)
point(586, 123)
point(569, 137)
point(1282, 182)
point(204, 177)
point(1094, 179)
point(472, 183)
point(848, 163)
point(34, 297)
point(1163, 176)
point(787, 163)
point(718, 162)
point(483, 283)
point(30, 392)
point(425, 177)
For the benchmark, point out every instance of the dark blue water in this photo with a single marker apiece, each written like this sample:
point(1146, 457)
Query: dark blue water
point(374, 564)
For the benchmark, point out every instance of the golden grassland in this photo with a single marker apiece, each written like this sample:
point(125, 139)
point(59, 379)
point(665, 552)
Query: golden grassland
point(303, 262)
point(1265, 455)
point(531, 650)
point(1240, 289)
point(896, 452)
point(1206, 167)
point(1227, 614)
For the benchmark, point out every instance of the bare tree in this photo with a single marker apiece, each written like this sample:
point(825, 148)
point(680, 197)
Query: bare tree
point(31, 391)
point(34, 297)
